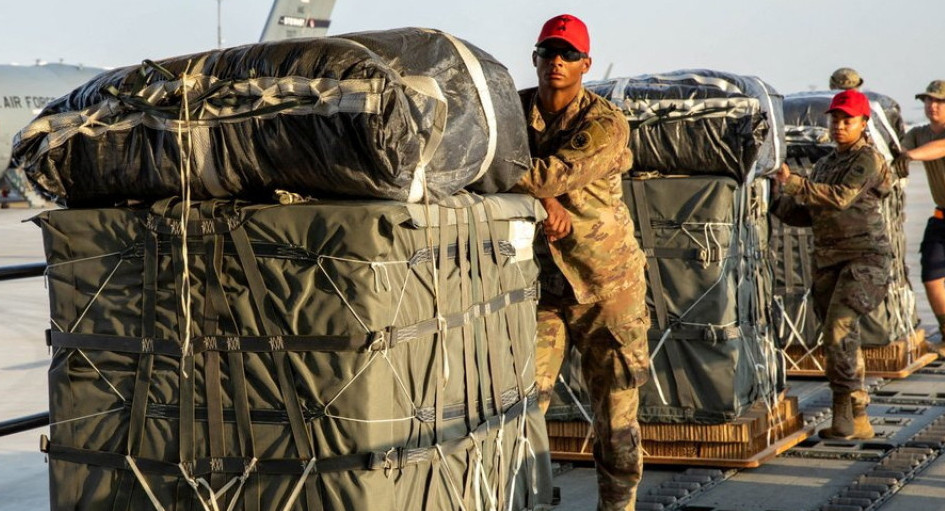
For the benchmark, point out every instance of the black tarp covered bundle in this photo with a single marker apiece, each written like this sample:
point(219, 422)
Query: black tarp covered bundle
point(392, 370)
point(359, 115)
point(700, 122)
point(808, 140)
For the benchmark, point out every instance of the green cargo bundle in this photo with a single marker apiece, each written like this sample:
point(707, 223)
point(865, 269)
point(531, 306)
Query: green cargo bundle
point(708, 285)
point(792, 247)
point(316, 356)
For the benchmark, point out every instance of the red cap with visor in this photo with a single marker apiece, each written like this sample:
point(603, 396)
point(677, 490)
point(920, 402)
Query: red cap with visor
point(852, 102)
point(568, 29)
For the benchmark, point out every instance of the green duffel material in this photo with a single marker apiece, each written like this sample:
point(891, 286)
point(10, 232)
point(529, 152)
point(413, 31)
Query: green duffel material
point(708, 288)
point(316, 356)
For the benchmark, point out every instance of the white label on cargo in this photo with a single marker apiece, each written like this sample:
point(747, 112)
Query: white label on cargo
point(522, 235)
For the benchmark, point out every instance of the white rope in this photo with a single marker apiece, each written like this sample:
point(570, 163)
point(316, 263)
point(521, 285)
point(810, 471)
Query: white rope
point(185, 173)
point(298, 485)
point(143, 483)
point(193, 485)
point(239, 489)
point(577, 401)
point(81, 260)
point(100, 374)
point(341, 295)
point(106, 412)
point(654, 377)
point(95, 297)
point(445, 468)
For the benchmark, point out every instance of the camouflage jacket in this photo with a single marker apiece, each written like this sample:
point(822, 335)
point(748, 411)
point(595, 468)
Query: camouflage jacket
point(841, 201)
point(578, 158)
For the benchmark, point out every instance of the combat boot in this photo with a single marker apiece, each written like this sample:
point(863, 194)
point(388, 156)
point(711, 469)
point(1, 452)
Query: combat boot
point(862, 429)
point(842, 424)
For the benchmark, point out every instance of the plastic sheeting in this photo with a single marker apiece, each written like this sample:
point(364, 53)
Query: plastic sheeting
point(326, 370)
point(700, 122)
point(376, 114)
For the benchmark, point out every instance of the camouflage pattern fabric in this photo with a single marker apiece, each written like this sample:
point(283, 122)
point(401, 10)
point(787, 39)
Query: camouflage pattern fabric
point(578, 158)
point(611, 338)
point(842, 295)
point(852, 251)
point(841, 202)
point(593, 286)
point(845, 78)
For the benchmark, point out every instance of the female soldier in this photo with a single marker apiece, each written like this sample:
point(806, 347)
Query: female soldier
point(852, 254)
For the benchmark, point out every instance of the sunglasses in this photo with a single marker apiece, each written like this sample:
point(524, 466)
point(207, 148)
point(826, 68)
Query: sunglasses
point(567, 55)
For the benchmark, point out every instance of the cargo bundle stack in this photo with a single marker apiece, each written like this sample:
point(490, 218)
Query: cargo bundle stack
point(894, 347)
point(230, 353)
point(700, 139)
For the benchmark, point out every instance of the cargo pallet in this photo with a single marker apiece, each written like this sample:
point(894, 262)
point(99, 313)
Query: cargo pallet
point(896, 360)
point(747, 442)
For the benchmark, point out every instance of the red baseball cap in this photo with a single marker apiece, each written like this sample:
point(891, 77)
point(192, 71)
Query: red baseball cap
point(568, 29)
point(852, 102)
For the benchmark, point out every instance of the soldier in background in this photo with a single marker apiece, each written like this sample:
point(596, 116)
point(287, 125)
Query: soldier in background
point(845, 78)
point(593, 288)
point(920, 144)
point(841, 201)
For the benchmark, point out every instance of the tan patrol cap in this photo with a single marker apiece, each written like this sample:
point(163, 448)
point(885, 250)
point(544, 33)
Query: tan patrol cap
point(935, 90)
point(845, 78)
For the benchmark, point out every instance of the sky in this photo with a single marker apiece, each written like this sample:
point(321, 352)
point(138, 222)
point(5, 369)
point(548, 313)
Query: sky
point(792, 45)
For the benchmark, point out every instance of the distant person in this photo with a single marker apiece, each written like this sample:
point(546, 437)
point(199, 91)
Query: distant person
point(845, 78)
point(593, 287)
point(926, 143)
point(841, 201)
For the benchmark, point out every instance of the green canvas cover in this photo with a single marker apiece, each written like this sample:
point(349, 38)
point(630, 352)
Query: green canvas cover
point(708, 285)
point(792, 263)
point(316, 356)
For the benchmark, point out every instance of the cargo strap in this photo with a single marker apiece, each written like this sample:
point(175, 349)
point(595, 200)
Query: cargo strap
point(395, 458)
point(649, 244)
point(374, 341)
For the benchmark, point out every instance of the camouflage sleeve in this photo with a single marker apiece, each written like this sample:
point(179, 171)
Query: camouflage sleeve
point(597, 150)
point(789, 211)
point(864, 173)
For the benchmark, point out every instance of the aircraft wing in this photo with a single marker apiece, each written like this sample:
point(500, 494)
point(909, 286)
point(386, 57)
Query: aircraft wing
point(297, 18)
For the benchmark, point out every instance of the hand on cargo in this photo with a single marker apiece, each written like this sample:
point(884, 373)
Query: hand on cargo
point(558, 223)
point(783, 174)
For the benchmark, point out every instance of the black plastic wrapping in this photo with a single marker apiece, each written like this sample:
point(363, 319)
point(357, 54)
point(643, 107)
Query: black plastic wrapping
point(700, 122)
point(341, 116)
point(807, 124)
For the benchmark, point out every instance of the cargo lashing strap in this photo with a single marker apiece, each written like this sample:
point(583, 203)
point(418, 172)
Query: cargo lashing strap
point(149, 346)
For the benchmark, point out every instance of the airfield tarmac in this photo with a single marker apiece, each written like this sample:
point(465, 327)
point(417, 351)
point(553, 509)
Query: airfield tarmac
point(788, 483)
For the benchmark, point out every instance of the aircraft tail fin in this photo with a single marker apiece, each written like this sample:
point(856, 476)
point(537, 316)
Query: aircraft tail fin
point(289, 19)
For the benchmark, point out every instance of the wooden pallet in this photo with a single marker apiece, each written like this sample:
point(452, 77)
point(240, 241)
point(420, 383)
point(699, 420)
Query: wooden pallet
point(896, 360)
point(746, 442)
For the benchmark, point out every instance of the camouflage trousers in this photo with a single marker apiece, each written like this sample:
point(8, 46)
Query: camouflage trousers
point(611, 338)
point(843, 294)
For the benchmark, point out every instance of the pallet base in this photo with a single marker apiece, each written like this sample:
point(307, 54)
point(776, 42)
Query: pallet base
point(749, 441)
point(896, 360)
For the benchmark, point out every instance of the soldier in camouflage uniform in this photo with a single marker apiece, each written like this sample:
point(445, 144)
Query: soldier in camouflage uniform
point(593, 288)
point(845, 78)
point(852, 253)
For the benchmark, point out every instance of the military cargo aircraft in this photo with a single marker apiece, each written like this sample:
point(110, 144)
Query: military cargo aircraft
point(25, 90)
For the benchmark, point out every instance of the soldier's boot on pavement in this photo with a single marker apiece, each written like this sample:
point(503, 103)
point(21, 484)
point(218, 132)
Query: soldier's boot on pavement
point(862, 429)
point(842, 425)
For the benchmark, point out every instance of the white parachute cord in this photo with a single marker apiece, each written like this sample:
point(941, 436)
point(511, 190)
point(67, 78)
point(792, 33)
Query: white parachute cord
point(193, 484)
point(577, 401)
point(185, 174)
point(143, 483)
point(298, 485)
point(449, 478)
point(239, 489)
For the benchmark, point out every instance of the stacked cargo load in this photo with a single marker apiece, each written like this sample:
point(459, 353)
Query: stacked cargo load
point(315, 354)
point(895, 346)
point(357, 115)
point(700, 139)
